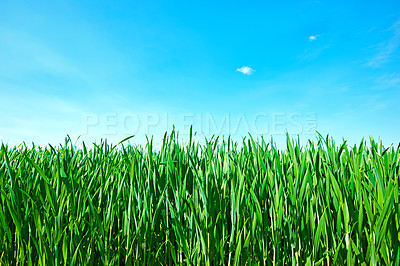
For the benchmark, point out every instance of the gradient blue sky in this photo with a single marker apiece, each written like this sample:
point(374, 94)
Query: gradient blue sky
point(109, 69)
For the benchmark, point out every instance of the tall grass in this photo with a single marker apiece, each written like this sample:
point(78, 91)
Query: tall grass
point(212, 204)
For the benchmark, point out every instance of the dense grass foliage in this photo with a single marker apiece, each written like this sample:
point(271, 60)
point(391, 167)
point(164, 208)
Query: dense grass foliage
point(217, 203)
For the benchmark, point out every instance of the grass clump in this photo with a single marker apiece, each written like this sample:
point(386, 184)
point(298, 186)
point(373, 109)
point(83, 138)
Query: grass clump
point(212, 204)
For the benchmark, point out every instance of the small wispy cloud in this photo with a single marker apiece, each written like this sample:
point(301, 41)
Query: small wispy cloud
point(312, 53)
point(26, 53)
point(245, 70)
point(313, 37)
point(388, 80)
point(387, 48)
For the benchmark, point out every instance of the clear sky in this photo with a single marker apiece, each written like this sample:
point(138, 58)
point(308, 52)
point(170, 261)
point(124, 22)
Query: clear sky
point(109, 69)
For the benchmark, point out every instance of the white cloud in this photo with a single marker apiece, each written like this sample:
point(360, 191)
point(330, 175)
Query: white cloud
point(313, 37)
point(245, 70)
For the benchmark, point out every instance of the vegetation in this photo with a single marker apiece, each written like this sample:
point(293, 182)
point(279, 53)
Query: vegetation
point(212, 204)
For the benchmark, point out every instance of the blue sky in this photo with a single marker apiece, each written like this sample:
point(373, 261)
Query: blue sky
point(108, 69)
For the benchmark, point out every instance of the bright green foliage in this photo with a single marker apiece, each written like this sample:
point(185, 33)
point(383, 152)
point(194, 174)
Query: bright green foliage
point(213, 204)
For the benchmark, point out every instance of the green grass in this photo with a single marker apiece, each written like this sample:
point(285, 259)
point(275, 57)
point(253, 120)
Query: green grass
point(212, 204)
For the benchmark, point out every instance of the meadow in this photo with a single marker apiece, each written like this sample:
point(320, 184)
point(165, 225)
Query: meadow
point(218, 203)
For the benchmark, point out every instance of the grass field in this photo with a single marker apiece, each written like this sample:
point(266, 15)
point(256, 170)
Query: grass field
point(218, 203)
